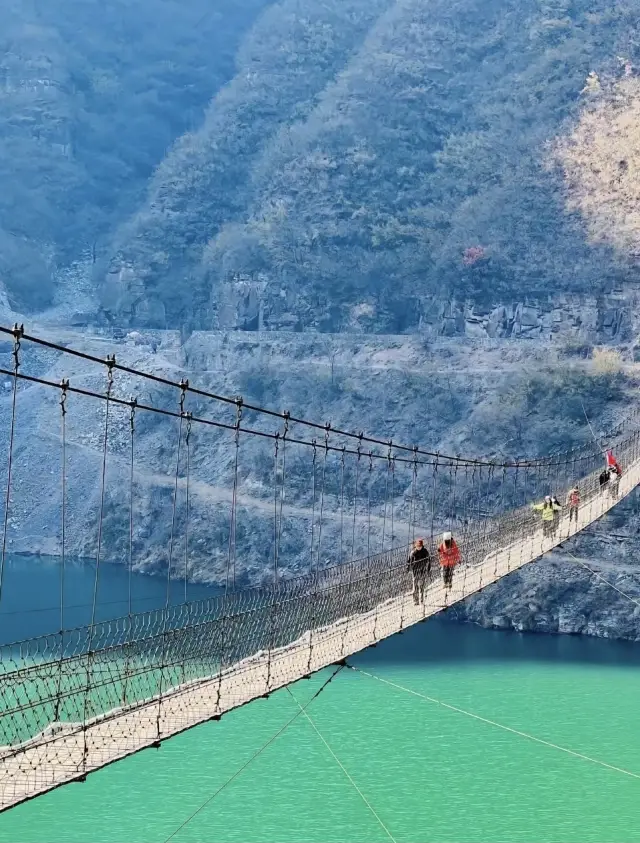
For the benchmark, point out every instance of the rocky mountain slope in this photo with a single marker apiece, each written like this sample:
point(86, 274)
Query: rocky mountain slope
point(492, 398)
point(91, 97)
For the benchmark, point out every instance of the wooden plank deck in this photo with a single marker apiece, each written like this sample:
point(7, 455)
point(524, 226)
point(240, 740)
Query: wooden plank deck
point(67, 751)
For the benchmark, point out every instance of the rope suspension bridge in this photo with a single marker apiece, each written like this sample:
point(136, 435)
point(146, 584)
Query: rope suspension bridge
point(345, 505)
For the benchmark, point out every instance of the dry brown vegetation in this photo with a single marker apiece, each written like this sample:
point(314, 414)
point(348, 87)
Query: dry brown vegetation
point(601, 162)
point(606, 361)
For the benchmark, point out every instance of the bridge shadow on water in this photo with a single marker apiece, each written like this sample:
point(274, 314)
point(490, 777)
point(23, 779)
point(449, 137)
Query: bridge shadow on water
point(439, 640)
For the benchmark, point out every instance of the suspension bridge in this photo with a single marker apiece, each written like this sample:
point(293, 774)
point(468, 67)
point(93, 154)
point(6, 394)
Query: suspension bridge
point(348, 504)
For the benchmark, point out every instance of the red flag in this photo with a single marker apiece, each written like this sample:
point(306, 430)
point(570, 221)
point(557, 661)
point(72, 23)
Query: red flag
point(611, 460)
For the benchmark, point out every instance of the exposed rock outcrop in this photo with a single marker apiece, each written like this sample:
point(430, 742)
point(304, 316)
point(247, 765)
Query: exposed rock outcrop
point(559, 595)
point(251, 302)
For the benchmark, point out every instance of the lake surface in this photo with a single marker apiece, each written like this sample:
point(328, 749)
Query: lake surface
point(32, 588)
point(429, 772)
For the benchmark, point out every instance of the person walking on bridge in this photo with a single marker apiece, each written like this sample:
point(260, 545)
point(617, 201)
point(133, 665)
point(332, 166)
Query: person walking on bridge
point(449, 555)
point(573, 502)
point(548, 509)
point(614, 480)
point(419, 563)
point(612, 464)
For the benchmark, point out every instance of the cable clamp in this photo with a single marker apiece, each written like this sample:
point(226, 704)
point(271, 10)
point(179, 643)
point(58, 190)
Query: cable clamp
point(133, 403)
point(327, 430)
point(111, 362)
point(18, 333)
point(184, 386)
point(64, 386)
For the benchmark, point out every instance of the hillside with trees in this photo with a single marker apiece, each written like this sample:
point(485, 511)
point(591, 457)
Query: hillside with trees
point(92, 95)
point(353, 157)
point(423, 168)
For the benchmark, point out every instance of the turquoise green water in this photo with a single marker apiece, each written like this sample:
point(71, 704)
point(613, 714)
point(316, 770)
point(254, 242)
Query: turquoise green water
point(429, 773)
point(30, 607)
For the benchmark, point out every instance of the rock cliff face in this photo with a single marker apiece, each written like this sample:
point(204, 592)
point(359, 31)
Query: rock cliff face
point(251, 303)
point(587, 318)
point(559, 595)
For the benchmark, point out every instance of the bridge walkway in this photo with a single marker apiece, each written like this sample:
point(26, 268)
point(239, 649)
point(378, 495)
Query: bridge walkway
point(69, 751)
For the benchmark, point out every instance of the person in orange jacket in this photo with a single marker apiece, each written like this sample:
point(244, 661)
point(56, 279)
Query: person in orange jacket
point(449, 555)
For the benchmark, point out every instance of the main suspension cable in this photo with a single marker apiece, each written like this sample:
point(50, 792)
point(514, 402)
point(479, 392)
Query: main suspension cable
point(433, 457)
point(223, 399)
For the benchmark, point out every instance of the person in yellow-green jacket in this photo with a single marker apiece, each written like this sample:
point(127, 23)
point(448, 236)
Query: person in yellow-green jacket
point(548, 509)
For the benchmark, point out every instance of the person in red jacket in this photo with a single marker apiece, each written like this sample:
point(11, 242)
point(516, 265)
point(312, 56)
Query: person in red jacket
point(449, 555)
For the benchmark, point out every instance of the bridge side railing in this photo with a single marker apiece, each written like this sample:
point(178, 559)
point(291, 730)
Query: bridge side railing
point(115, 664)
